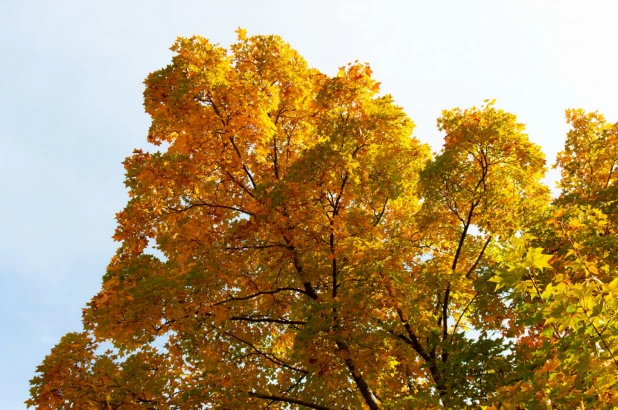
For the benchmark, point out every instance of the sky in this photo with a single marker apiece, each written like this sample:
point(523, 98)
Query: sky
point(71, 76)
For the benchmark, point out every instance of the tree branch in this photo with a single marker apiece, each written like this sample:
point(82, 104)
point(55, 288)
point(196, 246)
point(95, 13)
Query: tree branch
point(269, 356)
point(362, 385)
point(288, 400)
point(463, 236)
point(462, 315)
point(473, 267)
point(381, 214)
point(240, 184)
point(309, 291)
point(447, 292)
point(260, 293)
point(412, 339)
point(244, 167)
point(430, 358)
point(267, 320)
point(180, 210)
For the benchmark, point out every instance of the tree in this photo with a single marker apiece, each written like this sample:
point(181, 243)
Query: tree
point(569, 356)
point(310, 252)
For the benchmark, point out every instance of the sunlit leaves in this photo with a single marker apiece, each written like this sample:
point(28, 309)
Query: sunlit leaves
point(577, 310)
point(292, 244)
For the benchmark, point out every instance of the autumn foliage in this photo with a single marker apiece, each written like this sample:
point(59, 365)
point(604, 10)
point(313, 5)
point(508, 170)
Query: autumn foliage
point(312, 253)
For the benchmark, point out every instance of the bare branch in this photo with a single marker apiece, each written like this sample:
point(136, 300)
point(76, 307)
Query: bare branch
point(474, 265)
point(269, 356)
point(288, 400)
point(186, 208)
point(259, 293)
point(361, 383)
point(267, 320)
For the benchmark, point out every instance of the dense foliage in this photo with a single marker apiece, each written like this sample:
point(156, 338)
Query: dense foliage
point(312, 253)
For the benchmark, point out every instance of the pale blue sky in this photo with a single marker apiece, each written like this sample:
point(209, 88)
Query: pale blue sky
point(71, 77)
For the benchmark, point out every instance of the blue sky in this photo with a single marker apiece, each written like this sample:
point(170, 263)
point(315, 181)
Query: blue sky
point(71, 110)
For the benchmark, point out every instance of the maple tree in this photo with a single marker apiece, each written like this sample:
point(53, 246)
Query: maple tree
point(312, 253)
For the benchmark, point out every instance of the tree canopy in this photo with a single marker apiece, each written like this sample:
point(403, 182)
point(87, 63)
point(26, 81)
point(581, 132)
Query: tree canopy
point(310, 252)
